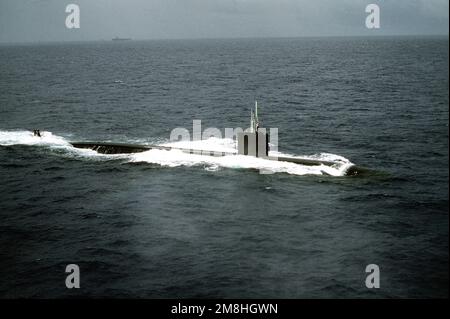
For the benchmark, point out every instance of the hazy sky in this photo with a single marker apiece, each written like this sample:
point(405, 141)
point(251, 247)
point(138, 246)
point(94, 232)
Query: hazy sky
point(44, 20)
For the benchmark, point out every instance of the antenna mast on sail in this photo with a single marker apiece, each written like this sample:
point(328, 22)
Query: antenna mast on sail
point(256, 117)
point(252, 121)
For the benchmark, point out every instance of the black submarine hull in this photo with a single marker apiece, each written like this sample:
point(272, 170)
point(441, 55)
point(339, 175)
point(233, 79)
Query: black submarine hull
point(112, 148)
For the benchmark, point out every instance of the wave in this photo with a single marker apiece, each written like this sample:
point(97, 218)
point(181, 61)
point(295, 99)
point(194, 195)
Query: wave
point(47, 140)
point(8, 138)
point(175, 157)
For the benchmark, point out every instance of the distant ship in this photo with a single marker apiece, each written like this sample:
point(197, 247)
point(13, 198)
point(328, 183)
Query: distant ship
point(120, 39)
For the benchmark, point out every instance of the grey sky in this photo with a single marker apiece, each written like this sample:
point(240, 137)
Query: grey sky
point(44, 20)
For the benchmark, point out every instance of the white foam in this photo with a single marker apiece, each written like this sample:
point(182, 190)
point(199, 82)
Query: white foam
point(48, 140)
point(211, 144)
point(174, 158)
point(27, 138)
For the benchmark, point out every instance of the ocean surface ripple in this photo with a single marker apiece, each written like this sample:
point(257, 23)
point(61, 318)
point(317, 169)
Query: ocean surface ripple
point(166, 224)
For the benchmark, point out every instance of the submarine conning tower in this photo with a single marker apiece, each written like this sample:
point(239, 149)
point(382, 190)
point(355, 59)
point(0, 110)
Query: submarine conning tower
point(254, 142)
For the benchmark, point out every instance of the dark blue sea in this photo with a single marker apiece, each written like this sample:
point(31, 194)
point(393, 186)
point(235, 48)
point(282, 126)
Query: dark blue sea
point(168, 225)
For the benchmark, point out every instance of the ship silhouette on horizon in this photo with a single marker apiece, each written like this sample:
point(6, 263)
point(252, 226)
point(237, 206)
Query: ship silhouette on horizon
point(120, 39)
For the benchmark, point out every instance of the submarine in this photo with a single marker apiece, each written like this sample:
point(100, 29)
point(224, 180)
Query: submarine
point(254, 142)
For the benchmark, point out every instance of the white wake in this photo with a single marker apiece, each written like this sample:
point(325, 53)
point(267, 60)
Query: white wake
point(174, 158)
point(177, 158)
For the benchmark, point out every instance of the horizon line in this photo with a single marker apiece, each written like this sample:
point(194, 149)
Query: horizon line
point(227, 38)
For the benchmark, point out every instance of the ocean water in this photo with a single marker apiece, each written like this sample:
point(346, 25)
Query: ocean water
point(169, 225)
